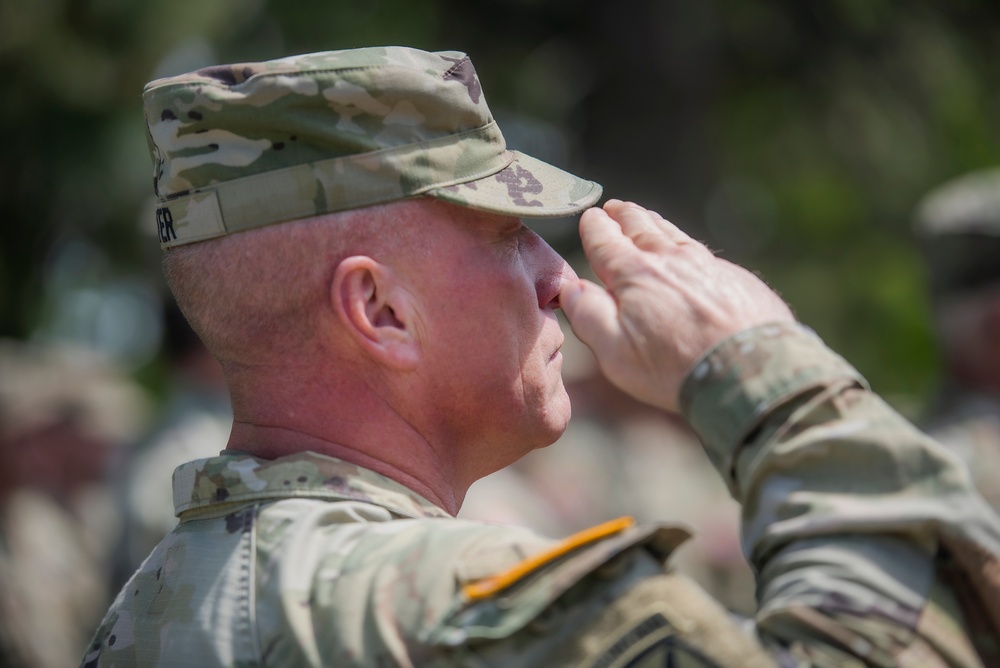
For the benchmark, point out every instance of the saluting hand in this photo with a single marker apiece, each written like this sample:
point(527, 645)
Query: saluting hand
point(667, 300)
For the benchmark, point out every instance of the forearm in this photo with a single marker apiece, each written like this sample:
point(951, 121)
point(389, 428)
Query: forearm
point(847, 507)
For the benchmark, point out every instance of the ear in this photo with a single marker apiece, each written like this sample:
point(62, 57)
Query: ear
point(375, 311)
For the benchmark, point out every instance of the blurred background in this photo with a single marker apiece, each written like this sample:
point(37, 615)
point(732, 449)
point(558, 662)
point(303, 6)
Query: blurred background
point(794, 138)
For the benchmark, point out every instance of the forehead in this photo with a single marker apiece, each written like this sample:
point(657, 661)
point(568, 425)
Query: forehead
point(433, 219)
point(474, 218)
point(436, 239)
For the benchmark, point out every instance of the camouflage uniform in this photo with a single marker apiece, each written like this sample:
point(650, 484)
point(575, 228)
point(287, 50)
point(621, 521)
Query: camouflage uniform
point(865, 536)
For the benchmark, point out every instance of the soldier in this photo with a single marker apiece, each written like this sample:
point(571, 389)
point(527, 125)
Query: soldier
point(63, 411)
point(958, 226)
point(346, 239)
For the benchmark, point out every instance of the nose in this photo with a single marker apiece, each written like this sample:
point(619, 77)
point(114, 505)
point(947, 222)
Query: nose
point(550, 270)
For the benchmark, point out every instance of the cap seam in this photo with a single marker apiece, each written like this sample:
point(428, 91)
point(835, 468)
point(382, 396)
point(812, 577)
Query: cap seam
point(454, 67)
point(271, 73)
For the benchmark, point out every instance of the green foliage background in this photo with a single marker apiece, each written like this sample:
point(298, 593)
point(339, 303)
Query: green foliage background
point(793, 137)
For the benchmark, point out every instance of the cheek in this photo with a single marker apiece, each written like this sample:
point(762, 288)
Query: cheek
point(487, 325)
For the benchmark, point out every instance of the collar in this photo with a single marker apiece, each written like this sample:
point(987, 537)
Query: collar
point(213, 486)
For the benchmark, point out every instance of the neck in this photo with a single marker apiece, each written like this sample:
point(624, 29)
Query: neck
point(269, 423)
point(409, 470)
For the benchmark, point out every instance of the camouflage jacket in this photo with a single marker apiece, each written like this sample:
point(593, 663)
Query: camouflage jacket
point(870, 548)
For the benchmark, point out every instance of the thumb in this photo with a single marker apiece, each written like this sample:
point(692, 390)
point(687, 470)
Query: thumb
point(592, 312)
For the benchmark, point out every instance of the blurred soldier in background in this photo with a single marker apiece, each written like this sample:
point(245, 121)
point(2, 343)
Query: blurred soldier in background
point(194, 423)
point(958, 226)
point(62, 413)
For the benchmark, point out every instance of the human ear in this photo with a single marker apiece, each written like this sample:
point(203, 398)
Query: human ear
point(375, 311)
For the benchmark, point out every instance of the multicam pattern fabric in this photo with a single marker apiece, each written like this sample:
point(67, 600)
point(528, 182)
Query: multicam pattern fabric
point(865, 535)
point(241, 146)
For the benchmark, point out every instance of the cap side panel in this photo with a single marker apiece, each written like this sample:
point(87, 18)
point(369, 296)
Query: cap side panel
point(336, 184)
point(190, 219)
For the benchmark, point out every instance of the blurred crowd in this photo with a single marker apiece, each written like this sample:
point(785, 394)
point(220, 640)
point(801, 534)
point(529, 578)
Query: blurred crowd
point(85, 481)
point(64, 417)
point(86, 461)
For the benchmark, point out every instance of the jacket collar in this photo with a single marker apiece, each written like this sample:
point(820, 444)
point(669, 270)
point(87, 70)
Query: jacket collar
point(214, 485)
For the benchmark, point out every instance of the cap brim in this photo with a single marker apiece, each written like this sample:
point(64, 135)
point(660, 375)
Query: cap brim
point(526, 188)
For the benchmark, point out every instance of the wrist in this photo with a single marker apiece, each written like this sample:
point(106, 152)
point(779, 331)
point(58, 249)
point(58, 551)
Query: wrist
point(735, 385)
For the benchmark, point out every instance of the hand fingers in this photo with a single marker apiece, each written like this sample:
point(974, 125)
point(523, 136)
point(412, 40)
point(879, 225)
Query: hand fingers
point(646, 227)
point(603, 242)
point(676, 234)
point(592, 312)
point(638, 224)
point(612, 235)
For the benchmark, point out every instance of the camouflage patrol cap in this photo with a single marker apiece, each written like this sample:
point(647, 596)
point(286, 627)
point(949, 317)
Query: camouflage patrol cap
point(958, 227)
point(241, 146)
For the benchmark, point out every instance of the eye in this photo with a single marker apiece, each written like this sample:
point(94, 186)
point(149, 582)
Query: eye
point(510, 238)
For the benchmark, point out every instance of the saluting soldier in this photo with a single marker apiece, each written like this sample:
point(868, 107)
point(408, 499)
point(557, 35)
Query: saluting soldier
point(349, 245)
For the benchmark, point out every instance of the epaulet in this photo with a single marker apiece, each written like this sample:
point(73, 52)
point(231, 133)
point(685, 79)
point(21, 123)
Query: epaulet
point(494, 584)
point(501, 604)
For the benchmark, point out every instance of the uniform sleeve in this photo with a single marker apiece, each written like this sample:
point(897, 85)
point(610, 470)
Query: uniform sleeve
point(869, 543)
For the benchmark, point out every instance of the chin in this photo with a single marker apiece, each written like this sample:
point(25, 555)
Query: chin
point(555, 423)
